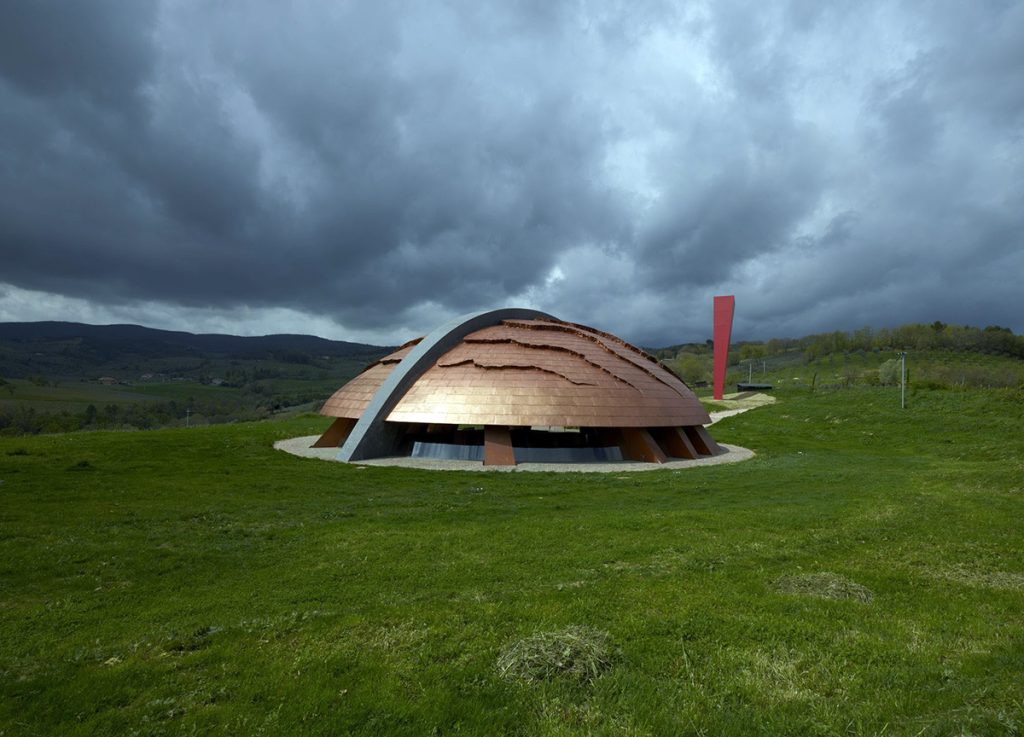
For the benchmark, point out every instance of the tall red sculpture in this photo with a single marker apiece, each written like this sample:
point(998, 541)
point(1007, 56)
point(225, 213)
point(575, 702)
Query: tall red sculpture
point(724, 307)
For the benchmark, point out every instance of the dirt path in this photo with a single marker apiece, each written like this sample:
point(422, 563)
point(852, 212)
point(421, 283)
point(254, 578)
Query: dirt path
point(741, 403)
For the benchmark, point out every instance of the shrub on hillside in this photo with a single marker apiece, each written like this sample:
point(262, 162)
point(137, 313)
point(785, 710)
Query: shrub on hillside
point(975, 377)
point(889, 372)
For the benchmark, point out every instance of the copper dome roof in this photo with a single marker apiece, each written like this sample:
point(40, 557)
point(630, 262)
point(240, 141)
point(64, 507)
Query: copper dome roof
point(531, 372)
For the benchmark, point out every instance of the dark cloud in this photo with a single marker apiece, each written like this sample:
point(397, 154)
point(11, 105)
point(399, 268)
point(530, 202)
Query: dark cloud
point(102, 51)
point(382, 167)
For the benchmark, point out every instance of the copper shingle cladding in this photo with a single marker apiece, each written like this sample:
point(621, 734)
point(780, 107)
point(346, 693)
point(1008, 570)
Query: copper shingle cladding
point(351, 400)
point(533, 373)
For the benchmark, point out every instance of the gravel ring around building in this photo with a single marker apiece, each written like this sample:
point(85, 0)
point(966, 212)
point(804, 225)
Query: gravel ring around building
point(300, 447)
point(734, 454)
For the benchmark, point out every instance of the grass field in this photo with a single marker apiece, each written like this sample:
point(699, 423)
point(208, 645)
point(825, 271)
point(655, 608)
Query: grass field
point(863, 574)
point(60, 392)
point(75, 396)
point(946, 368)
point(934, 368)
point(27, 408)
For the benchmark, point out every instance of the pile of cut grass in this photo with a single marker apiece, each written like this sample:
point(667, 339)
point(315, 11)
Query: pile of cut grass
point(578, 653)
point(823, 586)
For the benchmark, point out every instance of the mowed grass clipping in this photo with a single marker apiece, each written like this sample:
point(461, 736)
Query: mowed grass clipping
point(197, 581)
point(579, 653)
point(824, 586)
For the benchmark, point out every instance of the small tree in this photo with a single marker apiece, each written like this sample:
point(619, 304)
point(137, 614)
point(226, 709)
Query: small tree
point(692, 368)
point(889, 372)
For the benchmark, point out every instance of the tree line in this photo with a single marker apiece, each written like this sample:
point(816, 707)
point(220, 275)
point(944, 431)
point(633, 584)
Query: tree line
point(693, 362)
point(20, 419)
point(993, 340)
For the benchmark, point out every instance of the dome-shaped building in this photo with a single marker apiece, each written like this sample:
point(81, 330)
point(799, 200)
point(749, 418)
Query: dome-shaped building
point(517, 385)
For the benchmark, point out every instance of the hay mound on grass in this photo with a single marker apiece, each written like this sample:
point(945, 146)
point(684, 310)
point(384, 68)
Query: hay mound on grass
point(823, 586)
point(579, 653)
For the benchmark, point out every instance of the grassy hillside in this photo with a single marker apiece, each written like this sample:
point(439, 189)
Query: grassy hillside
point(77, 395)
point(196, 581)
point(27, 407)
point(76, 350)
point(940, 355)
point(925, 368)
point(59, 376)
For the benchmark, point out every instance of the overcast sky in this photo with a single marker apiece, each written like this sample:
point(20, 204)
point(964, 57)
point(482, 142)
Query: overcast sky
point(367, 170)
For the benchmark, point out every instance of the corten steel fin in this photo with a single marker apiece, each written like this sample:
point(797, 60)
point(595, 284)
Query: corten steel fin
point(724, 308)
point(709, 442)
point(638, 445)
point(372, 436)
point(674, 442)
point(702, 440)
point(336, 433)
point(498, 450)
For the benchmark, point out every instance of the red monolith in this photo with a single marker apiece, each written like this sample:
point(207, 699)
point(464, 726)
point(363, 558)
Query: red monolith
point(724, 307)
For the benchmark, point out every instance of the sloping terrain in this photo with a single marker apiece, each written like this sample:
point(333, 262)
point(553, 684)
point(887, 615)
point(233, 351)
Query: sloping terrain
point(68, 349)
point(863, 574)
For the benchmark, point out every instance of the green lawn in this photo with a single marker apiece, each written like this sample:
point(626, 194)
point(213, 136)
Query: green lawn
point(75, 396)
point(196, 581)
point(71, 395)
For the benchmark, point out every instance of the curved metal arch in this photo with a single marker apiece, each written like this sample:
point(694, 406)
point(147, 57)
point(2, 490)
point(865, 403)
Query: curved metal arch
point(372, 437)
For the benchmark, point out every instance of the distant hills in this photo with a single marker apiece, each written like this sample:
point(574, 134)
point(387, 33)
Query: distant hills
point(73, 349)
point(171, 341)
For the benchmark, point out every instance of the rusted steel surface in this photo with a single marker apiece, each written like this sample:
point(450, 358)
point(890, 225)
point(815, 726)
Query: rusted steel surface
point(674, 442)
point(702, 440)
point(498, 450)
point(548, 373)
point(638, 445)
point(705, 437)
point(336, 433)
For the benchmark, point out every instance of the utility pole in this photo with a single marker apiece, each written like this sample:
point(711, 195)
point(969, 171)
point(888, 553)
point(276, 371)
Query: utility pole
point(903, 379)
point(750, 371)
point(188, 412)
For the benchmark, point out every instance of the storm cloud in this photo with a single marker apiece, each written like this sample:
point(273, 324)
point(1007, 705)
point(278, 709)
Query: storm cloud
point(366, 170)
